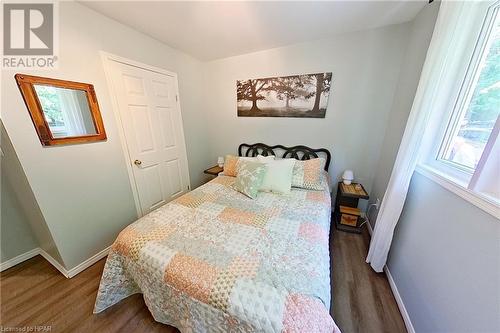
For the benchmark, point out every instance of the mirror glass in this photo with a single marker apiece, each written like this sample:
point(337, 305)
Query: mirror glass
point(66, 111)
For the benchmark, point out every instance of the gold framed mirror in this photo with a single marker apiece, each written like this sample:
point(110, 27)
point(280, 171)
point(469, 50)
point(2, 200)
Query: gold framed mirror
point(63, 112)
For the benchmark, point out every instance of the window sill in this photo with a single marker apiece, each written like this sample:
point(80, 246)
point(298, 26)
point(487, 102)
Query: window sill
point(456, 187)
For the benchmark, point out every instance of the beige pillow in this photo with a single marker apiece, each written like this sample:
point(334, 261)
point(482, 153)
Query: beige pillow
point(307, 174)
point(230, 164)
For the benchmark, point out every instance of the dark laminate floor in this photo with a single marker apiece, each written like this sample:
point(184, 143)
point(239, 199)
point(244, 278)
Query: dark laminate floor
point(362, 299)
point(34, 293)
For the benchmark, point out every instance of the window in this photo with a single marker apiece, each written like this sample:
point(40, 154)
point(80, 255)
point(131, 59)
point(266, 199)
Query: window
point(478, 107)
point(466, 154)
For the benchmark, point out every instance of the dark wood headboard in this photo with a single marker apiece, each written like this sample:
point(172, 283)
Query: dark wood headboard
point(297, 152)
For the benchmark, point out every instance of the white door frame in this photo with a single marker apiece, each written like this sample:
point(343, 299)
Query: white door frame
point(107, 58)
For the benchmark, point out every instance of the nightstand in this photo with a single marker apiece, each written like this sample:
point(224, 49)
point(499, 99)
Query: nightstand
point(214, 171)
point(347, 215)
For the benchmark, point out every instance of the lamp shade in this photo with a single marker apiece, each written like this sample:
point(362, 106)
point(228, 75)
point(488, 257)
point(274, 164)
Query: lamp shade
point(348, 177)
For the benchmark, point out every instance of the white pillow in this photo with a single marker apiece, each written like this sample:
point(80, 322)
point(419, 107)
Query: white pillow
point(258, 158)
point(278, 178)
point(265, 159)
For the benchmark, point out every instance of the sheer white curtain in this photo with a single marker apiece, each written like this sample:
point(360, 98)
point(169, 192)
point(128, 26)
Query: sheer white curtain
point(452, 20)
point(72, 112)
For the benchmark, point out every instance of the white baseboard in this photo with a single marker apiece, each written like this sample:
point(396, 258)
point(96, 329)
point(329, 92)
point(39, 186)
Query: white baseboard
point(67, 273)
point(399, 301)
point(19, 259)
point(395, 292)
point(89, 262)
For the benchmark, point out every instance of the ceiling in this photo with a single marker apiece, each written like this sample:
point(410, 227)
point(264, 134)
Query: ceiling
point(210, 30)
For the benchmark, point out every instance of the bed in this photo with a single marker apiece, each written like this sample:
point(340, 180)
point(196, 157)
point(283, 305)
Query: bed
point(215, 260)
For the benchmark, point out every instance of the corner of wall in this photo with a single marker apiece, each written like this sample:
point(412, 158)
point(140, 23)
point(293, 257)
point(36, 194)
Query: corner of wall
point(30, 216)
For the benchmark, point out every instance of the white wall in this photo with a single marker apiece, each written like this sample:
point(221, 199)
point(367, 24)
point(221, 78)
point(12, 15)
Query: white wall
point(365, 66)
point(445, 261)
point(83, 190)
point(16, 236)
point(22, 225)
point(420, 36)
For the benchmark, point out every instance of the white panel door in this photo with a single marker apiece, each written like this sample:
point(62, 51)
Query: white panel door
point(152, 124)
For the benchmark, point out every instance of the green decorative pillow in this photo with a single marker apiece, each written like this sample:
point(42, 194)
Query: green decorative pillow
point(249, 177)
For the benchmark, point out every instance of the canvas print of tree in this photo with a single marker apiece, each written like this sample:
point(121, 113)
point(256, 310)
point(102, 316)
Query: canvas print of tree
point(285, 96)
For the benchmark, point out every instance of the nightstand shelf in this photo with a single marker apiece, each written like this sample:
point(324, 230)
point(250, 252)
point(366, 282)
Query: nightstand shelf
point(346, 215)
point(214, 171)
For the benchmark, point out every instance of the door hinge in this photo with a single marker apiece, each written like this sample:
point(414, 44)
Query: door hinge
point(176, 98)
point(189, 187)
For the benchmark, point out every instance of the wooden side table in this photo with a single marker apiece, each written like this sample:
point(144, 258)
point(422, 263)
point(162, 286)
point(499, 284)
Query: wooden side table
point(214, 171)
point(346, 207)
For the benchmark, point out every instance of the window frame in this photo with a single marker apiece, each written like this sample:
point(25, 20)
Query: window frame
point(462, 75)
point(466, 92)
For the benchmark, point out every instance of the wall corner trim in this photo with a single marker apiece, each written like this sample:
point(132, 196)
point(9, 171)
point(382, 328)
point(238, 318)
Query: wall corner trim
point(67, 273)
point(395, 292)
point(53, 262)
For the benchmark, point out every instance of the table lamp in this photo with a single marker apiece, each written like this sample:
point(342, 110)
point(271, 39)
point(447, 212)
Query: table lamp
point(220, 161)
point(348, 177)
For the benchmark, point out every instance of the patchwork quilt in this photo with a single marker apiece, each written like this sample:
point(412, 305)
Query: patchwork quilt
point(214, 260)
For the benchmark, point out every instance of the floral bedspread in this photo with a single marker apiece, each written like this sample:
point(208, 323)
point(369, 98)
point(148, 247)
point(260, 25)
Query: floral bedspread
point(214, 260)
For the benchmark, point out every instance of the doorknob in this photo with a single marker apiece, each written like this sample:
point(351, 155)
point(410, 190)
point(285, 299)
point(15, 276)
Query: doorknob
point(138, 162)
